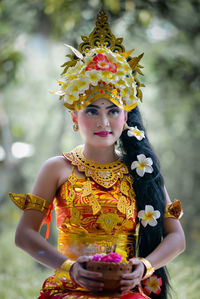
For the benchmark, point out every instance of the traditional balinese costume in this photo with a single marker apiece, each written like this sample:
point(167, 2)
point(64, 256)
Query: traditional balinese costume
point(98, 213)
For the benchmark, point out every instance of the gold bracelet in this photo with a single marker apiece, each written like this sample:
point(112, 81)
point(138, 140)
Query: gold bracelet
point(62, 273)
point(149, 268)
point(67, 265)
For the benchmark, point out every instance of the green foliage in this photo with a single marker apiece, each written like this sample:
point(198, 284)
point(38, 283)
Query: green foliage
point(16, 18)
point(185, 278)
point(20, 276)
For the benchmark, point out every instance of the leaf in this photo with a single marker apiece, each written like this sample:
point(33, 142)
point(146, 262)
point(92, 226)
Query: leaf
point(75, 51)
point(134, 61)
point(139, 71)
point(126, 54)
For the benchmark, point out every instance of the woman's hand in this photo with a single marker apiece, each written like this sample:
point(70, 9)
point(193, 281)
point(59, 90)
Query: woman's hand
point(87, 279)
point(130, 280)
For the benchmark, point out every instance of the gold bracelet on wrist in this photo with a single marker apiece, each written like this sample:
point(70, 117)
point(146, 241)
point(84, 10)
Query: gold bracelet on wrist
point(62, 272)
point(149, 268)
point(67, 265)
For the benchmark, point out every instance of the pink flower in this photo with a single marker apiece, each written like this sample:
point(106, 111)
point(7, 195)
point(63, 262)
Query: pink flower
point(91, 66)
point(101, 62)
point(152, 284)
point(97, 257)
point(113, 257)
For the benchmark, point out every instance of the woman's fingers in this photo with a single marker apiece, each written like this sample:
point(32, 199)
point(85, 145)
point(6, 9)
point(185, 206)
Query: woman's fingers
point(87, 279)
point(91, 285)
point(137, 271)
point(127, 285)
point(85, 273)
point(130, 283)
point(130, 280)
point(89, 274)
point(84, 258)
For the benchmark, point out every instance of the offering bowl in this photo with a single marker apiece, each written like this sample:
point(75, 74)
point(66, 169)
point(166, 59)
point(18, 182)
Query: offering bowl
point(112, 274)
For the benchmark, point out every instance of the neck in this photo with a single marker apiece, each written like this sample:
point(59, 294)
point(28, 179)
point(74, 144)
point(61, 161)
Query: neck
point(100, 155)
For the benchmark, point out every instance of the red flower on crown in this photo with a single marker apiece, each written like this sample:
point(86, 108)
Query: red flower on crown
point(152, 284)
point(101, 62)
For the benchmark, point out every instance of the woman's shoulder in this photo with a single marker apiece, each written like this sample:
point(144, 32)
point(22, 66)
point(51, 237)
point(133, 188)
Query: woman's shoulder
point(56, 168)
point(57, 162)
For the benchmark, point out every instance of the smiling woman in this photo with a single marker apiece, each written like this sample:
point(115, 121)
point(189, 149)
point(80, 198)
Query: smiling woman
point(101, 124)
point(108, 200)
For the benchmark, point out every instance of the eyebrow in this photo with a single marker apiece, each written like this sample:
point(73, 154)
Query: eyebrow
point(98, 107)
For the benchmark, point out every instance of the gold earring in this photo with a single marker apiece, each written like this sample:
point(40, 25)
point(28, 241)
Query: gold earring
point(125, 126)
point(75, 127)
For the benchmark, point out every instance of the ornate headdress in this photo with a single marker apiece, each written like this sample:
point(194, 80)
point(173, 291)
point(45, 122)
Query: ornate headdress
point(101, 69)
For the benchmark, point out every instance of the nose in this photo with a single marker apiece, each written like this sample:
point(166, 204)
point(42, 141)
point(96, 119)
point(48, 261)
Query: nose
point(103, 121)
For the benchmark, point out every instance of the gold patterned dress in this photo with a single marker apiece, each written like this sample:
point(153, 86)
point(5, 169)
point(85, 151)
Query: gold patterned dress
point(96, 214)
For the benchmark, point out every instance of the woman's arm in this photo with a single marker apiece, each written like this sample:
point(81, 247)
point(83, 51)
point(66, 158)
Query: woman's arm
point(29, 239)
point(27, 236)
point(171, 246)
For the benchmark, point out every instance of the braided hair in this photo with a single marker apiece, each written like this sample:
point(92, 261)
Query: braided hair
point(149, 190)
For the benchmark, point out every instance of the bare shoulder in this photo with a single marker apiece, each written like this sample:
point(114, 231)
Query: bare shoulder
point(52, 174)
point(56, 162)
point(57, 167)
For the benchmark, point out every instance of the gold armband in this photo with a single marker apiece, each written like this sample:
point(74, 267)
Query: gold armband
point(62, 272)
point(30, 201)
point(149, 268)
point(33, 202)
point(173, 210)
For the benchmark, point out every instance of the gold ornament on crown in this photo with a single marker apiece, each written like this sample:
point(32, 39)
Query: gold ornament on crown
point(101, 69)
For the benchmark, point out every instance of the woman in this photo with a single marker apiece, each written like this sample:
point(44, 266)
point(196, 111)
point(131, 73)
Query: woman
point(102, 195)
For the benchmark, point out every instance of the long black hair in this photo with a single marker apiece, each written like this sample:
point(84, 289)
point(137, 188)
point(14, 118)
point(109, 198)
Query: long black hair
point(149, 190)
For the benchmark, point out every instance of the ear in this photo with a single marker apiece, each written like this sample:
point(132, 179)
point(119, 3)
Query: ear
point(74, 116)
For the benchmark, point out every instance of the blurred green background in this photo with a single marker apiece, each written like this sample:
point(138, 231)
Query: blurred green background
point(34, 126)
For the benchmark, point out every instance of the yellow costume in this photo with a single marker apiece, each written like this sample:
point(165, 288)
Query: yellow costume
point(95, 214)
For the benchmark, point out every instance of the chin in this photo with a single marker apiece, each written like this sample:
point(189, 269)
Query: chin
point(103, 143)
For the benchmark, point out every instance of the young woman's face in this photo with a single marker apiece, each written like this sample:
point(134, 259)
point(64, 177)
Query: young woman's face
point(100, 123)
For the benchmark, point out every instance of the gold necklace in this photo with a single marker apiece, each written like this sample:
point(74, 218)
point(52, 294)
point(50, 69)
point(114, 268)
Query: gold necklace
point(105, 175)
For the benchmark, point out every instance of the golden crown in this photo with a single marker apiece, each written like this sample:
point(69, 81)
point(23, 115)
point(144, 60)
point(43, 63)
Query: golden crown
point(101, 69)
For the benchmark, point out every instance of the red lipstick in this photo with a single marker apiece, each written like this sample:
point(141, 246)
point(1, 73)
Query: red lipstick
point(103, 133)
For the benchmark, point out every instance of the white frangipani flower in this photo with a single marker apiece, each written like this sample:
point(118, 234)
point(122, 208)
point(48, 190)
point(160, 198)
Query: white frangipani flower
point(131, 99)
point(134, 131)
point(142, 165)
point(149, 216)
point(93, 76)
point(58, 93)
point(106, 76)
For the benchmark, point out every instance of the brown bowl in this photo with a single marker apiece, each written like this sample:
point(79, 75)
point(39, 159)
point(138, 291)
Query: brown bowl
point(112, 274)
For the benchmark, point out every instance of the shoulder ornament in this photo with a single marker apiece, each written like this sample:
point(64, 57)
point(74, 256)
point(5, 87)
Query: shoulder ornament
point(33, 202)
point(173, 210)
point(30, 201)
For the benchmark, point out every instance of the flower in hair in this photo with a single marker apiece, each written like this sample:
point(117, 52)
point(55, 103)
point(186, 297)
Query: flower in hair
point(134, 131)
point(142, 165)
point(149, 216)
point(152, 285)
point(101, 62)
point(78, 86)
